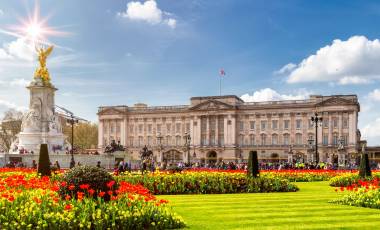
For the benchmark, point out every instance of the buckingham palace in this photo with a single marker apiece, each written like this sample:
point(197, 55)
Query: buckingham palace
point(216, 128)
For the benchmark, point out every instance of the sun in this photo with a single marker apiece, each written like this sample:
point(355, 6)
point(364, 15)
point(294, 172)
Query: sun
point(34, 29)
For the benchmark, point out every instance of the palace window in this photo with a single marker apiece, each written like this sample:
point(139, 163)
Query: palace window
point(263, 139)
point(131, 141)
point(251, 139)
point(335, 123)
point(286, 124)
point(168, 128)
point(118, 127)
point(274, 124)
point(241, 125)
point(141, 141)
point(335, 139)
point(286, 139)
point(150, 141)
point(310, 124)
point(298, 139)
point(188, 127)
point(212, 138)
point(263, 125)
point(241, 140)
point(221, 125)
point(325, 122)
point(131, 128)
point(158, 128)
point(141, 128)
point(149, 128)
point(178, 127)
point(112, 128)
point(345, 123)
point(298, 124)
point(221, 140)
point(345, 138)
point(203, 139)
point(178, 140)
point(325, 139)
point(274, 139)
point(252, 125)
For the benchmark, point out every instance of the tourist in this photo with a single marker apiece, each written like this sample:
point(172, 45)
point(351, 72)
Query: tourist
point(56, 164)
point(34, 164)
point(98, 164)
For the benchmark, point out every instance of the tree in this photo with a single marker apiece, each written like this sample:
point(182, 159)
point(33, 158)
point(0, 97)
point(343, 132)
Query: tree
point(253, 164)
point(364, 168)
point(85, 135)
point(9, 128)
point(44, 161)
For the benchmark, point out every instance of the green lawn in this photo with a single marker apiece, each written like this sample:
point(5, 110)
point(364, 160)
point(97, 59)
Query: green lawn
point(305, 209)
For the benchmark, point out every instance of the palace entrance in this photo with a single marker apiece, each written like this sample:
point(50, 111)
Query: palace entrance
point(211, 158)
point(172, 157)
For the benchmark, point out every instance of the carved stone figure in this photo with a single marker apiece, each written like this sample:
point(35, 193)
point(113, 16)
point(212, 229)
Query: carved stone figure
point(32, 119)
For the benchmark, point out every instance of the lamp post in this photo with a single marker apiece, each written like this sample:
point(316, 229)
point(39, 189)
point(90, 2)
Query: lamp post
point(310, 149)
point(187, 145)
point(316, 122)
point(72, 121)
point(159, 139)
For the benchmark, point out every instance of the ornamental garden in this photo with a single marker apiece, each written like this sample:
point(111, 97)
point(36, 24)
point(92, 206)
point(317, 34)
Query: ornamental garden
point(87, 197)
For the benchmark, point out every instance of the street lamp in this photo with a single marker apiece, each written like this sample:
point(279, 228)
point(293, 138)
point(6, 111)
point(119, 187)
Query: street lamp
point(72, 120)
point(187, 145)
point(310, 149)
point(316, 121)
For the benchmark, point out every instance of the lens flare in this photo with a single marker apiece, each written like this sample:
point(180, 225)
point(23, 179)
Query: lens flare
point(34, 29)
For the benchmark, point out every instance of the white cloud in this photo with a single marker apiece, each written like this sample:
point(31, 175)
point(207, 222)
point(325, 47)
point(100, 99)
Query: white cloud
point(354, 61)
point(353, 80)
point(1, 12)
point(18, 49)
point(147, 12)
point(374, 95)
point(268, 94)
point(371, 131)
point(286, 69)
point(9, 105)
point(171, 22)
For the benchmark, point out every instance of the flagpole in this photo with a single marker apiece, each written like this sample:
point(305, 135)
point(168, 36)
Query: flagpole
point(220, 85)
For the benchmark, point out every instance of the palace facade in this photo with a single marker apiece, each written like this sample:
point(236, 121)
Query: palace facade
point(216, 128)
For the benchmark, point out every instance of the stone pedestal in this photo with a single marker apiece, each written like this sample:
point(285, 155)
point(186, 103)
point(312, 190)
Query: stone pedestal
point(40, 125)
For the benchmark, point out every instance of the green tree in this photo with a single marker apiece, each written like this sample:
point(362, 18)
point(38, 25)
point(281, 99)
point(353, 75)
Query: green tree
point(85, 135)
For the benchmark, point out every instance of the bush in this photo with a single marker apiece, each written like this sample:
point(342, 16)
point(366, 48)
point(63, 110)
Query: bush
point(97, 179)
point(364, 169)
point(348, 179)
point(44, 161)
point(253, 164)
point(208, 183)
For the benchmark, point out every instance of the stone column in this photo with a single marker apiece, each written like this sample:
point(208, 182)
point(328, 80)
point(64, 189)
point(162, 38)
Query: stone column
point(100, 134)
point(226, 131)
point(233, 130)
point(330, 130)
point(208, 130)
point(216, 130)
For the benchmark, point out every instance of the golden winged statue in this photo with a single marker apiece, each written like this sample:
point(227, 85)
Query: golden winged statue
point(42, 72)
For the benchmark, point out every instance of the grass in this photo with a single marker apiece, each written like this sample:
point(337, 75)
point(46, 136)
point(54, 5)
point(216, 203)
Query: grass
point(305, 209)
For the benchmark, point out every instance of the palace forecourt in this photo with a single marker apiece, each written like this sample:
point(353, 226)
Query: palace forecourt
point(215, 128)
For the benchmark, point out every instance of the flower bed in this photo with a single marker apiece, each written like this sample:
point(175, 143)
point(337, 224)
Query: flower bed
point(361, 194)
point(208, 182)
point(347, 179)
point(30, 202)
point(305, 175)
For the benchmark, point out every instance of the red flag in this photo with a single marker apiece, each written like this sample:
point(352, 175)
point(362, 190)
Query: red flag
point(222, 72)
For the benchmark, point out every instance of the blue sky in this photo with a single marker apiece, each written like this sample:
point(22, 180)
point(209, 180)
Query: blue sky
point(165, 51)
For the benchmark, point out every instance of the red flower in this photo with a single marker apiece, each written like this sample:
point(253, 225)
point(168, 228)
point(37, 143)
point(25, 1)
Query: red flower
point(67, 197)
point(63, 184)
point(101, 194)
point(110, 184)
point(84, 186)
point(71, 187)
point(110, 192)
point(11, 198)
point(68, 207)
point(91, 192)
